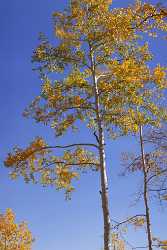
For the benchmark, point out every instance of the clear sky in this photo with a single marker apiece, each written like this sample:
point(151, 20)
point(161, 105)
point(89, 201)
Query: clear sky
point(55, 223)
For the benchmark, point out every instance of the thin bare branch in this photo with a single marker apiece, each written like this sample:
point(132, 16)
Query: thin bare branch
point(71, 145)
point(128, 220)
point(155, 175)
point(72, 164)
point(158, 190)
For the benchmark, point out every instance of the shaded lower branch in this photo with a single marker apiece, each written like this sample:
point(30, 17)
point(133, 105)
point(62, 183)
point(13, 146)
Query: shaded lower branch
point(125, 221)
point(158, 190)
point(155, 175)
point(72, 164)
point(71, 145)
point(154, 245)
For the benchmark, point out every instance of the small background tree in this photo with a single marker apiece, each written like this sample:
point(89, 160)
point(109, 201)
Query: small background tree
point(14, 236)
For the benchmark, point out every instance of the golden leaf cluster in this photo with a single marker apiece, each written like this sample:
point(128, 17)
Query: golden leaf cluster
point(36, 147)
point(117, 243)
point(162, 244)
point(14, 236)
point(138, 221)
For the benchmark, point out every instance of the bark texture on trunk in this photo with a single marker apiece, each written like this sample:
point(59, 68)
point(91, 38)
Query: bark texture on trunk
point(103, 176)
point(104, 194)
point(147, 210)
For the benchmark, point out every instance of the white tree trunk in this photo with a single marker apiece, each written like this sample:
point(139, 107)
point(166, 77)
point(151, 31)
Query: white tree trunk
point(103, 174)
point(147, 210)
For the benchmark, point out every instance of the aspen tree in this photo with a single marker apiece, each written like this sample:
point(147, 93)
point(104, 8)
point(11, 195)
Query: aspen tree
point(103, 68)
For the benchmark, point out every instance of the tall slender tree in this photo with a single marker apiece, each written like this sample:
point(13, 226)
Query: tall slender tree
point(103, 69)
point(152, 164)
point(145, 193)
point(157, 137)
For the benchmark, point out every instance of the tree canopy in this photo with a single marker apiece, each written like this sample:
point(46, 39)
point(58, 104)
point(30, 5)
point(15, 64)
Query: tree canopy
point(101, 58)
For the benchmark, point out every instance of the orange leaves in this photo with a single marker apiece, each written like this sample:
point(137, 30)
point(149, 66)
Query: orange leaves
point(78, 101)
point(14, 236)
point(47, 89)
point(36, 164)
point(138, 222)
point(159, 76)
point(80, 157)
point(117, 242)
point(128, 125)
point(64, 178)
point(27, 161)
point(51, 94)
point(61, 33)
point(93, 5)
point(69, 165)
point(36, 147)
point(62, 102)
point(76, 79)
point(40, 53)
point(149, 17)
point(132, 72)
point(105, 87)
point(62, 126)
point(98, 2)
point(162, 244)
point(54, 94)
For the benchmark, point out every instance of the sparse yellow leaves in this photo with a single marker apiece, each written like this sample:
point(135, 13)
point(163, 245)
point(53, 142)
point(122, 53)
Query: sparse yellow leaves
point(138, 222)
point(117, 243)
point(95, 5)
point(145, 53)
point(50, 93)
point(47, 88)
point(159, 76)
point(162, 244)
point(133, 72)
point(40, 53)
point(63, 125)
point(61, 33)
point(68, 167)
point(65, 177)
point(149, 18)
point(128, 124)
point(14, 236)
point(36, 164)
point(76, 79)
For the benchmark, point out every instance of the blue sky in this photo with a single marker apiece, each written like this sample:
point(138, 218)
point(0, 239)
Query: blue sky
point(55, 223)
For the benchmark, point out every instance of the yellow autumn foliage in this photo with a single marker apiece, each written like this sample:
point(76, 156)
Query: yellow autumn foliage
point(29, 153)
point(14, 236)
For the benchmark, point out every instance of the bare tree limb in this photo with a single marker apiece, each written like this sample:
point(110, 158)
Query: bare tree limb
point(128, 220)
